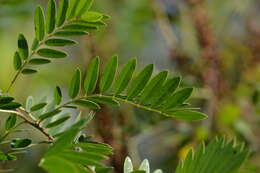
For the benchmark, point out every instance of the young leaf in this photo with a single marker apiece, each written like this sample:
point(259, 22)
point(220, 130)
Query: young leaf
point(29, 103)
point(39, 23)
point(145, 166)
point(59, 42)
point(153, 86)
point(75, 84)
point(28, 71)
point(87, 103)
point(51, 53)
point(20, 143)
point(17, 62)
point(57, 95)
point(69, 33)
point(140, 82)
point(188, 115)
point(92, 76)
point(58, 122)
point(63, 8)
point(128, 166)
point(103, 100)
point(10, 122)
point(108, 74)
point(50, 16)
point(178, 98)
point(92, 16)
point(23, 48)
point(49, 114)
point(38, 107)
point(84, 6)
point(39, 61)
point(125, 76)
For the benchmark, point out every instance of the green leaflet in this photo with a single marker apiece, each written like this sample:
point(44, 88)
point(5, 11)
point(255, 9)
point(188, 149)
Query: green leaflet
point(73, 5)
point(17, 62)
point(10, 106)
point(20, 143)
point(10, 122)
point(125, 76)
point(128, 165)
point(63, 8)
point(5, 99)
point(92, 16)
point(152, 86)
point(38, 107)
point(188, 115)
point(75, 84)
point(57, 95)
point(29, 71)
point(140, 82)
point(95, 147)
point(51, 53)
point(103, 100)
point(108, 74)
point(92, 76)
point(69, 33)
point(39, 23)
point(50, 16)
point(84, 5)
point(49, 114)
point(79, 27)
point(39, 61)
point(58, 122)
point(178, 98)
point(87, 103)
point(23, 48)
point(58, 42)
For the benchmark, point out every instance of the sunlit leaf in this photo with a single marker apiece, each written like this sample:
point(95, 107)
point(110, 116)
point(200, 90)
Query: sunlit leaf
point(39, 23)
point(51, 53)
point(92, 76)
point(50, 16)
point(63, 8)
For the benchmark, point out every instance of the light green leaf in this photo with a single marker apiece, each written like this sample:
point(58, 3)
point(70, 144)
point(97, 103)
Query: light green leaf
point(140, 82)
point(178, 98)
point(87, 103)
point(28, 71)
point(92, 76)
point(158, 171)
point(75, 84)
point(63, 8)
point(39, 61)
point(128, 166)
point(125, 76)
point(84, 6)
point(188, 115)
point(29, 103)
point(92, 16)
point(10, 122)
point(152, 87)
point(50, 16)
point(103, 100)
point(39, 23)
point(23, 48)
point(51, 53)
point(58, 122)
point(145, 166)
point(72, 8)
point(58, 42)
point(108, 74)
point(17, 62)
point(38, 107)
point(57, 95)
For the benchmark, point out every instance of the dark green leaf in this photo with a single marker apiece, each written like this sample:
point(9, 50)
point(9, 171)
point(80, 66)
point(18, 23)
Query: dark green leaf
point(138, 171)
point(51, 53)
point(103, 100)
point(178, 98)
point(70, 33)
point(35, 44)
point(49, 114)
point(87, 103)
point(103, 170)
point(63, 8)
point(75, 84)
point(108, 74)
point(17, 62)
point(153, 86)
point(10, 106)
point(58, 122)
point(6, 156)
point(57, 95)
point(10, 122)
point(59, 42)
point(28, 71)
point(39, 61)
point(50, 16)
point(96, 24)
point(23, 48)
point(125, 76)
point(188, 115)
point(92, 76)
point(20, 143)
point(5, 99)
point(140, 82)
point(39, 23)
point(38, 107)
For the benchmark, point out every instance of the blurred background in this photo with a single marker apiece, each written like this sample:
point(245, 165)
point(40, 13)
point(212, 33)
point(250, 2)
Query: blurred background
point(213, 44)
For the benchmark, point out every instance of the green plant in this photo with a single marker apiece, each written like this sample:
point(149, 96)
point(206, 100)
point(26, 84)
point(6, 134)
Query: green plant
point(70, 150)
